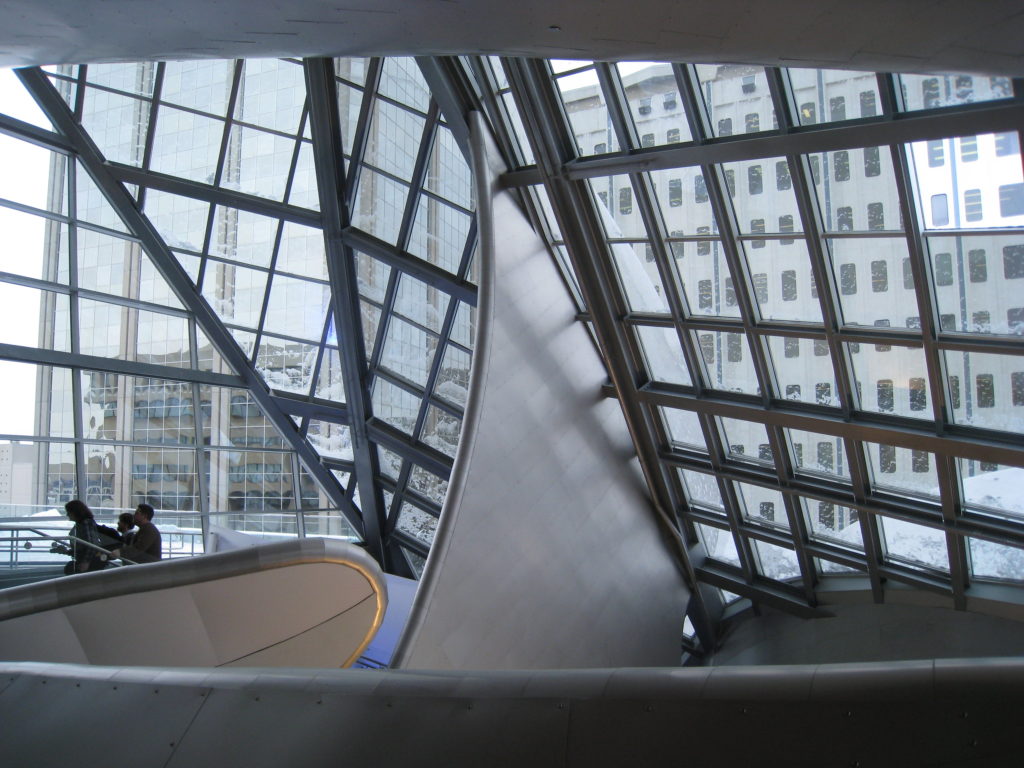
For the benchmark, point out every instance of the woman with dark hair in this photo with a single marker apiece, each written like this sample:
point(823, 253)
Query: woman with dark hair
point(83, 557)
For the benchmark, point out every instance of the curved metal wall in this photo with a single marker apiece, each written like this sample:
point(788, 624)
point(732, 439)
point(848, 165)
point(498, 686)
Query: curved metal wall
point(548, 554)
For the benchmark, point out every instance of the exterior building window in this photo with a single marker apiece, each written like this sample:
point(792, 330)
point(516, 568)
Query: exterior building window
point(761, 287)
point(1013, 262)
point(943, 269)
point(981, 322)
point(918, 395)
point(826, 455)
point(789, 285)
point(986, 390)
point(884, 393)
point(954, 391)
point(1011, 200)
point(766, 510)
point(793, 393)
point(645, 106)
point(848, 279)
point(969, 149)
point(672, 136)
point(1007, 144)
point(930, 94)
point(827, 515)
point(792, 349)
point(669, 100)
point(1001, 88)
point(755, 181)
point(734, 347)
point(940, 210)
point(964, 88)
point(1015, 320)
point(600, 148)
point(844, 218)
point(764, 452)
point(647, 140)
point(786, 225)
point(648, 252)
point(887, 458)
point(707, 348)
point(816, 169)
point(872, 162)
point(919, 461)
point(876, 216)
point(837, 108)
point(823, 393)
point(820, 347)
point(936, 153)
point(626, 200)
point(972, 204)
point(879, 276)
point(914, 322)
point(808, 115)
point(757, 228)
point(700, 189)
point(977, 266)
point(782, 178)
point(841, 165)
point(753, 122)
point(704, 294)
point(730, 294)
point(725, 126)
point(675, 192)
point(1017, 387)
point(704, 246)
point(603, 197)
point(730, 182)
point(814, 287)
point(868, 104)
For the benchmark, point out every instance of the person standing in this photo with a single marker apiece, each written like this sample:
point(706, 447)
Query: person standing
point(84, 558)
point(145, 547)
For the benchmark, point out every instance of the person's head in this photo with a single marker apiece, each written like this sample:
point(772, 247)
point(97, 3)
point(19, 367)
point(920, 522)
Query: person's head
point(77, 510)
point(125, 522)
point(143, 514)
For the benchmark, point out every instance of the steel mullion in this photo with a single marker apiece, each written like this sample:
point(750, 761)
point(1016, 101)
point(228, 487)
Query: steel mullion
point(928, 311)
point(983, 117)
point(419, 174)
point(871, 536)
point(387, 308)
point(322, 352)
point(402, 443)
point(435, 366)
point(736, 260)
point(140, 226)
point(494, 108)
point(531, 82)
point(214, 194)
point(154, 104)
point(33, 134)
point(424, 271)
point(265, 304)
point(693, 102)
point(325, 128)
point(797, 525)
point(236, 82)
point(362, 130)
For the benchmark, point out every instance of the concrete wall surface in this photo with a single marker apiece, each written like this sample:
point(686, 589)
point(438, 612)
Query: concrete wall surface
point(948, 713)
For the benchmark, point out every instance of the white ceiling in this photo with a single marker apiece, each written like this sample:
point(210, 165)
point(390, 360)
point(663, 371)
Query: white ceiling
point(886, 35)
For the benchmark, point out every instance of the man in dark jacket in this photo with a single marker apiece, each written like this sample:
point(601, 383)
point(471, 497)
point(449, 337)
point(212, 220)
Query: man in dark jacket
point(145, 546)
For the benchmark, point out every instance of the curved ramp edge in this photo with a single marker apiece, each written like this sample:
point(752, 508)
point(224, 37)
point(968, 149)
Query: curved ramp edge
point(548, 553)
point(306, 602)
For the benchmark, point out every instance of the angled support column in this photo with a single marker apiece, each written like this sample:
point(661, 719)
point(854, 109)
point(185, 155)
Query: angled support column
point(139, 225)
point(325, 127)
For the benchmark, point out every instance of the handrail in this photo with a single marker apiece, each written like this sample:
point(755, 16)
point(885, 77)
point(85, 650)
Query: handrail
point(89, 544)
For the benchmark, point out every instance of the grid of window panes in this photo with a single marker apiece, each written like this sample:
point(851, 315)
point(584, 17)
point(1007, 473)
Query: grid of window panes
point(802, 289)
point(242, 127)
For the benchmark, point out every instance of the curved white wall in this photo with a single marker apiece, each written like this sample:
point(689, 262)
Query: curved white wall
point(548, 554)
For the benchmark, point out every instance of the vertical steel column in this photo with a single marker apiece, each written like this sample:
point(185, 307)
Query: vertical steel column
point(328, 153)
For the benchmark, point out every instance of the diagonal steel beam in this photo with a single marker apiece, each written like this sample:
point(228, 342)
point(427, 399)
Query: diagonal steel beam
point(139, 225)
point(325, 128)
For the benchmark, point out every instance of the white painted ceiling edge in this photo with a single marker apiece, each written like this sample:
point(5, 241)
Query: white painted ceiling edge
point(882, 35)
